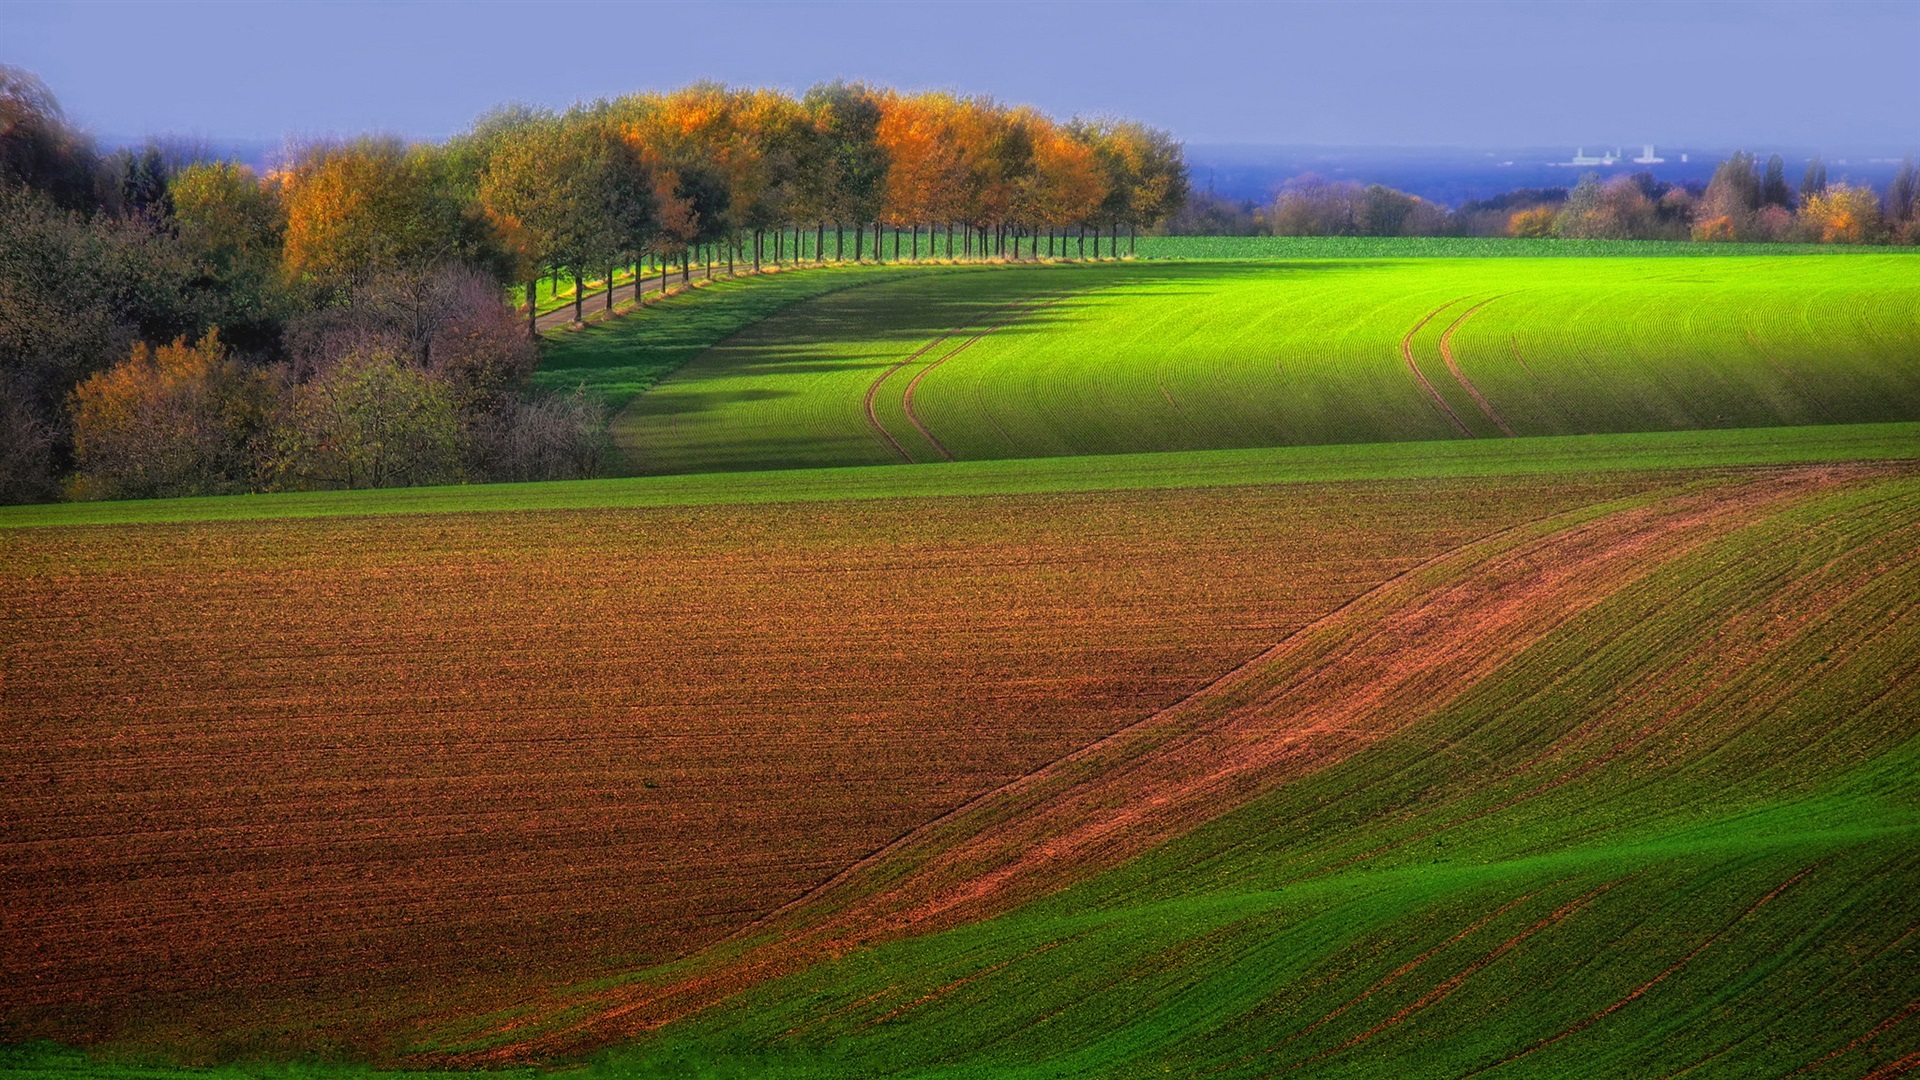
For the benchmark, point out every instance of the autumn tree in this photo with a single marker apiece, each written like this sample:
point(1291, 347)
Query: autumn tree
point(1615, 210)
point(1815, 180)
point(1773, 185)
point(1533, 223)
point(920, 162)
point(182, 419)
point(1311, 205)
point(1842, 214)
point(373, 420)
point(568, 194)
point(1146, 175)
point(1727, 209)
point(38, 150)
point(1903, 203)
point(370, 208)
point(1066, 184)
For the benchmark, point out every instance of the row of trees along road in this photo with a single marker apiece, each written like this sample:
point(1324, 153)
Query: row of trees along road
point(163, 282)
point(760, 176)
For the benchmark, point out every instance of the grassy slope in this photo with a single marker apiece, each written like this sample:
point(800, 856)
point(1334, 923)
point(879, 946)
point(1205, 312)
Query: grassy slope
point(1583, 865)
point(621, 359)
point(1121, 472)
point(1147, 357)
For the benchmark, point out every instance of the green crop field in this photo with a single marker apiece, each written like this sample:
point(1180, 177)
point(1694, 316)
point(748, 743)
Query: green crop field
point(1007, 362)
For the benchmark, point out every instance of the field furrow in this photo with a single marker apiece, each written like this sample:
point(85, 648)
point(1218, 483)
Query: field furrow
point(1322, 695)
point(421, 767)
point(1453, 366)
point(1140, 357)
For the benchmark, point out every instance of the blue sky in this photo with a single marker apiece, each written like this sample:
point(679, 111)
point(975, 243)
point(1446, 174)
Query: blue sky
point(1832, 76)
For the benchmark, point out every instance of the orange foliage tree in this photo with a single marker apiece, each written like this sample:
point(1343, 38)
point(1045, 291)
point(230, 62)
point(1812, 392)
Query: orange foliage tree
point(1842, 214)
point(182, 419)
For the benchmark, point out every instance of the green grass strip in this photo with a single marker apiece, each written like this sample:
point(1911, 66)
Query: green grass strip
point(1441, 247)
point(1117, 472)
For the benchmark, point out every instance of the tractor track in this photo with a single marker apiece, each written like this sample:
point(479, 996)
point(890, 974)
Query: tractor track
point(1328, 691)
point(1406, 352)
point(1453, 365)
point(873, 388)
point(906, 399)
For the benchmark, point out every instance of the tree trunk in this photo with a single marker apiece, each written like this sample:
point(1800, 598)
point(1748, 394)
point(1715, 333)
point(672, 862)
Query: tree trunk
point(578, 298)
point(1082, 238)
point(916, 243)
point(533, 308)
point(839, 242)
point(609, 305)
point(731, 245)
point(859, 237)
point(1133, 235)
point(896, 245)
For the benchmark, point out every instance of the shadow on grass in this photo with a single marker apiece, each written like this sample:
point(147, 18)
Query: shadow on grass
point(622, 358)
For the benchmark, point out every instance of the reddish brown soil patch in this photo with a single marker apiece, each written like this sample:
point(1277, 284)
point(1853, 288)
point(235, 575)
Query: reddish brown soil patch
point(297, 783)
point(1334, 687)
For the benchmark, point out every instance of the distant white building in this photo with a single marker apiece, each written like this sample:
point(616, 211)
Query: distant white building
point(1580, 157)
point(1647, 157)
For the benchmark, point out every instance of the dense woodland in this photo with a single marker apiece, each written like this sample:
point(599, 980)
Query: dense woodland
point(1745, 201)
point(172, 324)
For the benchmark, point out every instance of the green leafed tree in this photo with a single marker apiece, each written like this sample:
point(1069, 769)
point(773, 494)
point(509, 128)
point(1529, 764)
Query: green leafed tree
point(567, 194)
point(373, 420)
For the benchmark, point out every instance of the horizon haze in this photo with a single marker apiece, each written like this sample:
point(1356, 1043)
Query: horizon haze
point(1825, 76)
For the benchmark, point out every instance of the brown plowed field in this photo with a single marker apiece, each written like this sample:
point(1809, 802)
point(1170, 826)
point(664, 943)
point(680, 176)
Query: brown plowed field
point(302, 783)
point(1342, 682)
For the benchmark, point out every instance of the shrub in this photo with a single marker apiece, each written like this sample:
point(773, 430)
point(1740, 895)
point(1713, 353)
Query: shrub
point(178, 420)
point(549, 437)
point(372, 420)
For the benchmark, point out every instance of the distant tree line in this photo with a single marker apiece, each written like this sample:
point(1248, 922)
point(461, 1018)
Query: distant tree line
point(1744, 201)
point(172, 324)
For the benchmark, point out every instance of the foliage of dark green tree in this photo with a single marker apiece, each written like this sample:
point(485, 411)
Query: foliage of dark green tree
point(1815, 180)
point(851, 168)
point(1773, 185)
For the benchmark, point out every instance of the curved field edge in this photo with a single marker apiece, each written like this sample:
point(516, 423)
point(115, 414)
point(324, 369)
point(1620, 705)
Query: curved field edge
point(1618, 852)
point(1541, 455)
